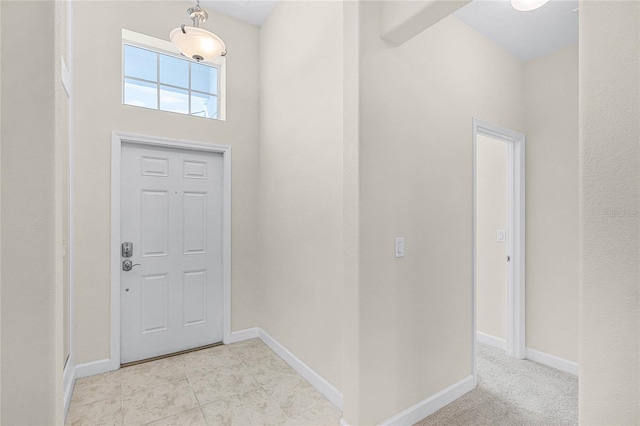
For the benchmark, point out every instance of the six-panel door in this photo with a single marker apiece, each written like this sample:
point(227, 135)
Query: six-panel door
point(172, 213)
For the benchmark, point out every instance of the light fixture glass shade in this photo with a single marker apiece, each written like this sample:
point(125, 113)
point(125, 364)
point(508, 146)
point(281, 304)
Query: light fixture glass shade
point(527, 5)
point(197, 43)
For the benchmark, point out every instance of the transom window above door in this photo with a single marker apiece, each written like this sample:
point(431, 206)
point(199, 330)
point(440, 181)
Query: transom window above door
point(169, 83)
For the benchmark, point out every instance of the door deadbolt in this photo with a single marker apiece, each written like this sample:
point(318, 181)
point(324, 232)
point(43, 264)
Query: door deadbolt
point(128, 265)
point(127, 249)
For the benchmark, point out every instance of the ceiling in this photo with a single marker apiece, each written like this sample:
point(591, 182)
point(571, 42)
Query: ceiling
point(527, 35)
point(252, 11)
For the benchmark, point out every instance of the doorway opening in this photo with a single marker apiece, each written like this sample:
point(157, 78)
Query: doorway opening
point(498, 239)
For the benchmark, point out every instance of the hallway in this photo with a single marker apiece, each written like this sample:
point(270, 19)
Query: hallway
point(342, 232)
point(512, 392)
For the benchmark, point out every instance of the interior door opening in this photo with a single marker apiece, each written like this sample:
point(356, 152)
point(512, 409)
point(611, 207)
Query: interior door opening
point(491, 240)
point(499, 239)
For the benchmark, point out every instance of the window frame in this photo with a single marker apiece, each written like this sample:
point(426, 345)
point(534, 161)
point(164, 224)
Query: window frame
point(163, 47)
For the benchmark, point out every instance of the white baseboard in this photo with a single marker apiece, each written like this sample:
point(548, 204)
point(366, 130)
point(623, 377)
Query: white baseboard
point(93, 368)
point(240, 335)
point(316, 380)
point(552, 361)
point(68, 383)
point(490, 340)
point(432, 404)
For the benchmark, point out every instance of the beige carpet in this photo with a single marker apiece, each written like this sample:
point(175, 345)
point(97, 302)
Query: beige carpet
point(512, 392)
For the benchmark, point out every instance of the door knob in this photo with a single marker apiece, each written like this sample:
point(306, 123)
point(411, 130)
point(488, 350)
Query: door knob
point(128, 265)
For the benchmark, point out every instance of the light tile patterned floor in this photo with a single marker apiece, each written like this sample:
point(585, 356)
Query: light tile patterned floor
point(241, 384)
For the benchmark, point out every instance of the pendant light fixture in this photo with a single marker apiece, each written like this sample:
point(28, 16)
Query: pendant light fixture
point(195, 42)
point(527, 5)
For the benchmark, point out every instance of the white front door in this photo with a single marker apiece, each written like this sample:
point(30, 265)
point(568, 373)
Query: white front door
point(171, 212)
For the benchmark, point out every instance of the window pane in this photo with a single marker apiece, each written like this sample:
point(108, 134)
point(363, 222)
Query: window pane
point(204, 105)
point(174, 100)
point(204, 78)
point(174, 71)
point(140, 93)
point(140, 63)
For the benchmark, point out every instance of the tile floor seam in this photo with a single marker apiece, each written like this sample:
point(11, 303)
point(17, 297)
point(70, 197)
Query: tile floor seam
point(92, 401)
point(319, 404)
point(121, 396)
point(196, 395)
point(263, 388)
point(274, 402)
point(206, 422)
point(162, 418)
point(235, 395)
point(157, 384)
point(172, 415)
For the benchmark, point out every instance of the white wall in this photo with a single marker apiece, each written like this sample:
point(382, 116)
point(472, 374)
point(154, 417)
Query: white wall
point(98, 111)
point(551, 113)
point(609, 213)
point(301, 182)
point(31, 316)
point(416, 103)
point(491, 214)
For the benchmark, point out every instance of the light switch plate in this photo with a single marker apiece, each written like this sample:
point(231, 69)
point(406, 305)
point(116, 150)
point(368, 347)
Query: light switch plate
point(399, 247)
point(501, 235)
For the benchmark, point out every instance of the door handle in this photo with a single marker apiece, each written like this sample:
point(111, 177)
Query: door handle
point(128, 265)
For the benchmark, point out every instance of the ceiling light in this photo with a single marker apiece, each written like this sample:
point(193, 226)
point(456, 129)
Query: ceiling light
point(527, 5)
point(195, 42)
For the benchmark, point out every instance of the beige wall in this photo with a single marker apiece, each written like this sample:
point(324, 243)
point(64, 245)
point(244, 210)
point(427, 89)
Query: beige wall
point(301, 182)
point(417, 102)
point(551, 113)
point(98, 111)
point(609, 213)
point(551, 126)
point(350, 211)
point(491, 214)
point(1, 102)
point(31, 316)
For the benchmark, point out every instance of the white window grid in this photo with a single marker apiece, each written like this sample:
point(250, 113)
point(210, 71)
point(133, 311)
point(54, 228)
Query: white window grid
point(159, 85)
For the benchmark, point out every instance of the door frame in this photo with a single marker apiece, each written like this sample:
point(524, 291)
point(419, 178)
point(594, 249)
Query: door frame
point(119, 138)
point(516, 304)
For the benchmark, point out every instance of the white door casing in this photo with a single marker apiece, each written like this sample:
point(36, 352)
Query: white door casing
point(515, 340)
point(173, 204)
